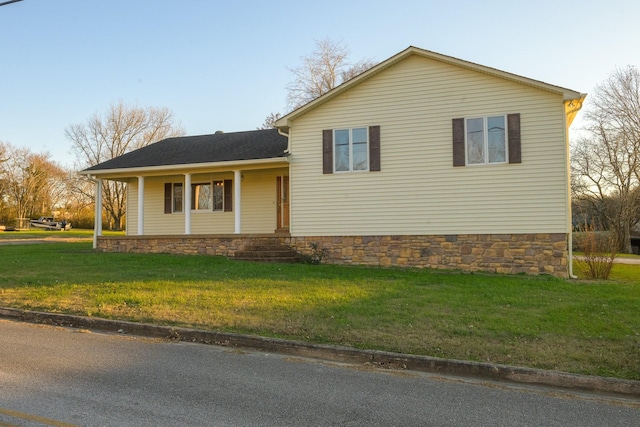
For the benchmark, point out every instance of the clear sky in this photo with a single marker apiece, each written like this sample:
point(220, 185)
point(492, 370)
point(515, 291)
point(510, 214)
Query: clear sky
point(224, 65)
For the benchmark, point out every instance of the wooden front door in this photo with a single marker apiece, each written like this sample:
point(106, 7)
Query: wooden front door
point(283, 202)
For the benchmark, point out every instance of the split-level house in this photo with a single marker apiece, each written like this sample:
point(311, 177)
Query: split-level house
point(424, 160)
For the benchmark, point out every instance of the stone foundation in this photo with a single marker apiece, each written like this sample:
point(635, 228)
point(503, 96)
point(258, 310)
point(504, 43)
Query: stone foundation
point(496, 253)
point(223, 245)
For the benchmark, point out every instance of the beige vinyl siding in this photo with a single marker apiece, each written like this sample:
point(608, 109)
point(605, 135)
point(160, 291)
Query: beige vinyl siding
point(258, 206)
point(155, 220)
point(208, 221)
point(418, 191)
point(132, 207)
point(259, 194)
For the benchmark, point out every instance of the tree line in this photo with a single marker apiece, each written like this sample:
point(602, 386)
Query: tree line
point(33, 185)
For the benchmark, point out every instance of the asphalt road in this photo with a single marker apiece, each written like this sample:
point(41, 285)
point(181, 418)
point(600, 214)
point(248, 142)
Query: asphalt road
point(51, 376)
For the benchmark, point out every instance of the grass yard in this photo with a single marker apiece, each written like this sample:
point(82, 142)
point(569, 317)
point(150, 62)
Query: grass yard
point(543, 322)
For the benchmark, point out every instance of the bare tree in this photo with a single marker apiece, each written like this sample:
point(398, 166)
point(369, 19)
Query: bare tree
point(354, 69)
point(78, 199)
point(120, 130)
point(326, 68)
point(29, 182)
point(270, 121)
point(606, 163)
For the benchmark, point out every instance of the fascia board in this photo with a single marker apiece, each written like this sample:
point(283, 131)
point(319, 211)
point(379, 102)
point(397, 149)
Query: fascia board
point(157, 170)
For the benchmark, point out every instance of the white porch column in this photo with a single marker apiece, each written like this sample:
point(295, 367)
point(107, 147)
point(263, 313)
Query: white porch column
point(97, 227)
point(187, 203)
point(237, 202)
point(140, 205)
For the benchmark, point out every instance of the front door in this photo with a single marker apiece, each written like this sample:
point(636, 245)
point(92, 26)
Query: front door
point(283, 202)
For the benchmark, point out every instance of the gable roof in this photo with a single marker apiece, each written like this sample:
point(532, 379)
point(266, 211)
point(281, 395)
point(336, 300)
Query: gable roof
point(567, 94)
point(199, 150)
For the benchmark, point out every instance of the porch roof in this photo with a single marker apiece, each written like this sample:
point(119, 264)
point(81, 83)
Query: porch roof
point(223, 148)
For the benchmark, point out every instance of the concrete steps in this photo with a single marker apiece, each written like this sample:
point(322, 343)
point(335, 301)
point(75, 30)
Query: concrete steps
point(268, 250)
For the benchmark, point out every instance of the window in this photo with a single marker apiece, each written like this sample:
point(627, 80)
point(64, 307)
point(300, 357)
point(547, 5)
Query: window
point(206, 196)
point(177, 197)
point(201, 197)
point(351, 148)
point(486, 140)
point(355, 149)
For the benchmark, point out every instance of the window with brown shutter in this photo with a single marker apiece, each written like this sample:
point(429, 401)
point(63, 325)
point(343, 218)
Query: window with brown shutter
point(167, 198)
point(374, 148)
point(228, 195)
point(486, 140)
point(327, 151)
point(458, 142)
point(513, 124)
point(351, 150)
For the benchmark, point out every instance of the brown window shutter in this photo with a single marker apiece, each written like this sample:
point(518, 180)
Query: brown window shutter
point(458, 142)
point(374, 148)
point(167, 197)
point(327, 151)
point(513, 126)
point(228, 195)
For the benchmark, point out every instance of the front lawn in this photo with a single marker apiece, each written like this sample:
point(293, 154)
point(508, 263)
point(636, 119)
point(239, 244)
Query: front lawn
point(543, 322)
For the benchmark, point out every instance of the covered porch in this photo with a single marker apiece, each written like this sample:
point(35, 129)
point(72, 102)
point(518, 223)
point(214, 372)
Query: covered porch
point(206, 185)
point(213, 201)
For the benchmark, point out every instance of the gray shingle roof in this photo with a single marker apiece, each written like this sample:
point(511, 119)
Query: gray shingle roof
point(219, 147)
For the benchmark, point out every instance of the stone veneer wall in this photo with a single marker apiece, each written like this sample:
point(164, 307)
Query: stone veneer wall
point(498, 253)
point(224, 245)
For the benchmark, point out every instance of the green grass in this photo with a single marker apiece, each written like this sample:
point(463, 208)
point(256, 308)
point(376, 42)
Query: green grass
point(544, 322)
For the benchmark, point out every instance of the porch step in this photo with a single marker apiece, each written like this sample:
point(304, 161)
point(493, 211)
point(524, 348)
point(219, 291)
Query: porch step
point(268, 250)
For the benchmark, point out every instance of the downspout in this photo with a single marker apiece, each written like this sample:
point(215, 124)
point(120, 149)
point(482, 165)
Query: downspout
point(571, 108)
point(288, 153)
point(288, 140)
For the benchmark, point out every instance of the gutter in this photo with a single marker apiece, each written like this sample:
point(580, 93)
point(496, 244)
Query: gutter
point(288, 150)
point(234, 164)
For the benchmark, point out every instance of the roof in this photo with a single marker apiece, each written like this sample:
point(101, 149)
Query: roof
point(201, 149)
point(567, 94)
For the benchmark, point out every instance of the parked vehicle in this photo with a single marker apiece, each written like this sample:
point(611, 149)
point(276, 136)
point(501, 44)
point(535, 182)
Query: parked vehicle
point(49, 224)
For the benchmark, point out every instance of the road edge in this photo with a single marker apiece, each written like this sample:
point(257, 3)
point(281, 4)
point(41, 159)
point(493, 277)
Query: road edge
point(335, 353)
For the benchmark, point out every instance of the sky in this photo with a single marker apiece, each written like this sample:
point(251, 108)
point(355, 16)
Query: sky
point(225, 65)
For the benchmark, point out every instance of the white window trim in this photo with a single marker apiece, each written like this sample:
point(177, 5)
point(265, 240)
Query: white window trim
point(212, 185)
point(486, 140)
point(350, 129)
point(193, 199)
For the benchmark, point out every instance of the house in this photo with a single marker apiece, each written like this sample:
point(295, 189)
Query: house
point(424, 160)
